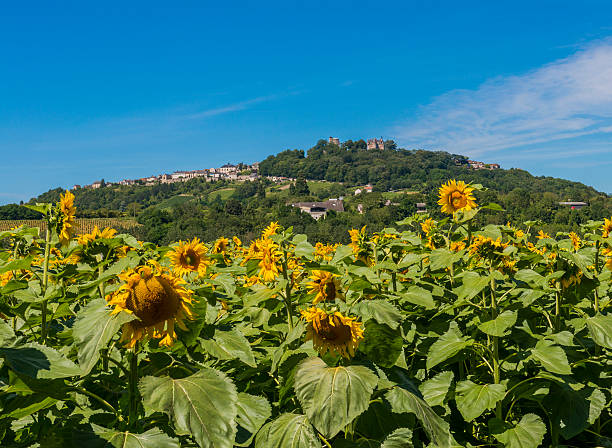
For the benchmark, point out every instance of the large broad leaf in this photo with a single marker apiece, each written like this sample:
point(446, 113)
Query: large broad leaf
point(93, 329)
point(472, 285)
point(435, 389)
point(16, 265)
point(100, 437)
point(287, 431)
point(438, 431)
point(551, 356)
point(400, 438)
point(39, 361)
point(381, 311)
point(230, 345)
point(382, 344)
point(203, 404)
point(418, 296)
point(530, 277)
point(600, 328)
point(500, 325)
point(332, 397)
point(528, 433)
point(570, 409)
point(473, 399)
point(447, 346)
point(253, 411)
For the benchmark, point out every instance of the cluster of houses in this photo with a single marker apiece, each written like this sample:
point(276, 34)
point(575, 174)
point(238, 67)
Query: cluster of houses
point(240, 172)
point(476, 165)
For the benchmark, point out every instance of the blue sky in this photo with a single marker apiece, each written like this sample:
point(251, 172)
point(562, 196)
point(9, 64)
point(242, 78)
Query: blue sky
point(127, 89)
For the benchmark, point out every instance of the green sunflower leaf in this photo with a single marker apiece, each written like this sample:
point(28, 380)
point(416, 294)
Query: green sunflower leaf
point(203, 405)
point(332, 397)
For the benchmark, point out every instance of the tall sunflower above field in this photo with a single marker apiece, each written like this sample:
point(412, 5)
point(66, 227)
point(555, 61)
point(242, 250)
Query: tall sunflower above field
point(187, 257)
point(455, 196)
point(66, 225)
point(158, 300)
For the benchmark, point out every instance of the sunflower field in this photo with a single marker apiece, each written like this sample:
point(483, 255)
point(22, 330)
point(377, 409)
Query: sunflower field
point(436, 335)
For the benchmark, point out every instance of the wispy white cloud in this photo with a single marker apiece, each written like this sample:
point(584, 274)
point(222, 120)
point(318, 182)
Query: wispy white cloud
point(568, 98)
point(235, 107)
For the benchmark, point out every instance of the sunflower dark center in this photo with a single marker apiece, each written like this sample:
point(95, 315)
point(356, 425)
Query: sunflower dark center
point(330, 290)
point(338, 332)
point(153, 300)
point(190, 258)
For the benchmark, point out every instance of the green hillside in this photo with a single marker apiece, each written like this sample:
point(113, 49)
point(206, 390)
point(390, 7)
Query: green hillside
point(400, 179)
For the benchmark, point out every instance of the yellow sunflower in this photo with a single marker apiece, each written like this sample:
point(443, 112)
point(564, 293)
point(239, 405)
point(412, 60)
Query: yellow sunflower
point(67, 211)
point(455, 196)
point(96, 233)
point(220, 246)
point(575, 240)
point(541, 235)
point(332, 332)
point(606, 229)
point(456, 246)
point(360, 246)
point(325, 285)
point(428, 225)
point(270, 230)
point(157, 299)
point(188, 257)
point(268, 266)
point(325, 251)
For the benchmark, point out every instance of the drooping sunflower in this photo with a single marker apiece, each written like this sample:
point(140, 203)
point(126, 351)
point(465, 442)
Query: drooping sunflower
point(66, 223)
point(325, 285)
point(333, 332)
point(157, 299)
point(188, 256)
point(606, 229)
point(455, 196)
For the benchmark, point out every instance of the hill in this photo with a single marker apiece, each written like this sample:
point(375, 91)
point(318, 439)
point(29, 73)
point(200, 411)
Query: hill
point(400, 179)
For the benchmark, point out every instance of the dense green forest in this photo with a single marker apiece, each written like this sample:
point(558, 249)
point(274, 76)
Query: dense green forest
point(401, 178)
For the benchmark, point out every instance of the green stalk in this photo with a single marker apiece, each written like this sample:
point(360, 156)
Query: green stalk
point(495, 339)
point(288, 305)
point(133, 386)
point(43, 331)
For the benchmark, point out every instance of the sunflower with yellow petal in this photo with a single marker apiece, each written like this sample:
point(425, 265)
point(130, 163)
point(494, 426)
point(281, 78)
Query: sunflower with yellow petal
point(455, 196)
point(576, 241)
point(541, 235)
point(187, 257)
point(332, 332)
point(606, 229)
point(325, 285)
point(428, 225)
point(66, 224)
point(220, 246)
point(95, 234)
point(158, 300)
point(270, 230)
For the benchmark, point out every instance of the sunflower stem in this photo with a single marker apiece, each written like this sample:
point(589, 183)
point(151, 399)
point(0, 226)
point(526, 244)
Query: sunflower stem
point(43, 329)
point(133, 386)
point(288, 305)
point(496, 373)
